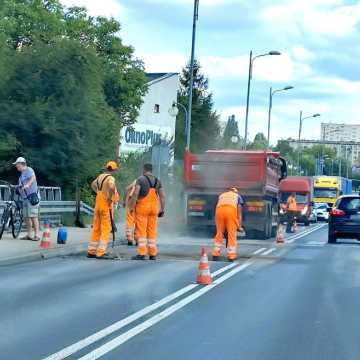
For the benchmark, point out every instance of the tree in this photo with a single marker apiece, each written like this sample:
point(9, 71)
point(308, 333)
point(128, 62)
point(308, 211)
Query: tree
point(259, 143)
point(205, 128)
point(231, 130)
point(67, 86)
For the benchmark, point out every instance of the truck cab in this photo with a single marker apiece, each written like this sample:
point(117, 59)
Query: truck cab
point(327, 189)
point(302, 187)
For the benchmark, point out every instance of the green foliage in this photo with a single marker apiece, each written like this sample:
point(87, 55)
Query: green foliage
point(231, 130)
point(259, 143)
point(205, 128)
point(67, 86)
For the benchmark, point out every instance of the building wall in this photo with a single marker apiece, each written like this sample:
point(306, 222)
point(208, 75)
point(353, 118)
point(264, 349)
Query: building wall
point(343, 132)
point(152, 124)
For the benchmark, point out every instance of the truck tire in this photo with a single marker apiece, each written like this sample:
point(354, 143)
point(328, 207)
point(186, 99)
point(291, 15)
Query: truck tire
point(307, 222)
point(331, 238)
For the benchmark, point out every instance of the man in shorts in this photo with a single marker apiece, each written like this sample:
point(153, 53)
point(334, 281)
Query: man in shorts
point(28, 186)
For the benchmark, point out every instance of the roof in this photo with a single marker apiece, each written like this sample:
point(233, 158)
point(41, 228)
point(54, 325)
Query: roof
point(295, 184)
point(157, 77)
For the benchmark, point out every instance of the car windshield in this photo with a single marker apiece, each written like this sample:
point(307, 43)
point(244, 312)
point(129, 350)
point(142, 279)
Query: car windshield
point(300, 198)
point(349, 204)
point(321, 206)
point(325, 193)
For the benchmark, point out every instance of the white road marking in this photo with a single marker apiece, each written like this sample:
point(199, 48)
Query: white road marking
point(72, 349)
point(258, 251)
point(116, 342)
point(267, 252)
point(303, 234)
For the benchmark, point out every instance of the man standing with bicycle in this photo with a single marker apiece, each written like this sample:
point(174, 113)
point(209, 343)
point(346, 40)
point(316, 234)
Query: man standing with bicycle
point(28, 190)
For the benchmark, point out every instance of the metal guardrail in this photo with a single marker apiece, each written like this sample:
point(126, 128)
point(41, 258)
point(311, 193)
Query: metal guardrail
point(61, 207)
point(47, 193)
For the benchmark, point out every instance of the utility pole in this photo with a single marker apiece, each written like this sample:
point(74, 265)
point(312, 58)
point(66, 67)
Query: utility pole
point(191, 85)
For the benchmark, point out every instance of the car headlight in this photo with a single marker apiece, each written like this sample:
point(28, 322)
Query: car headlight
point(304, 210)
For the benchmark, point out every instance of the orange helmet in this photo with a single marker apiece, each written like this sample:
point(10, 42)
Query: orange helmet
point(111, 166)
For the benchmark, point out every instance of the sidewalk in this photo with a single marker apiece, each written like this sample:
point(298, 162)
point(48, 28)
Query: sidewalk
point(171, 245)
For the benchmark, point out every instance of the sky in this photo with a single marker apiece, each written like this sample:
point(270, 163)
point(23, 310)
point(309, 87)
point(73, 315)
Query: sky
point(318, 41)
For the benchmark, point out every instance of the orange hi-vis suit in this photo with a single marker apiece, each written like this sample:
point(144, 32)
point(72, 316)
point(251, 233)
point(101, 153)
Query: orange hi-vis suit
point(291, 204)
point(147, 210)
point(106, 196)
point(226, 219)
point(130, 216)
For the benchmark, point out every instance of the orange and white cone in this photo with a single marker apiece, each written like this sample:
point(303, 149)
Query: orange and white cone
point(280, 239)
point(45, 240)
point(204, 275)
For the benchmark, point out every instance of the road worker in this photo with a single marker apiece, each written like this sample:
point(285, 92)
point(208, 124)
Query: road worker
point(106, 197)
point(291, 210)
point(130, 215)
point(228, 218)
point(149, 204)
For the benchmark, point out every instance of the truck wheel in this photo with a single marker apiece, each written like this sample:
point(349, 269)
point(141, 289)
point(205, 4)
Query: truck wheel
point(307, 223)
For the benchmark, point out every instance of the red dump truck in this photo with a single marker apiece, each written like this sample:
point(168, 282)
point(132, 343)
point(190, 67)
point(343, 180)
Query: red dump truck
point(257, 175)
point(302, 187)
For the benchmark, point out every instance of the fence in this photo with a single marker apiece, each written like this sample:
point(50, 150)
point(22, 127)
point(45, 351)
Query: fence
point(51, 205)
point(47, 193)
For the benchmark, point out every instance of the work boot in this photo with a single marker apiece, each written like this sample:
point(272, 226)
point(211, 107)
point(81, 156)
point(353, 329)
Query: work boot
point(231, 260)
point(138, 257)
point(91, 256)
point(215, 258)
point(152, 257)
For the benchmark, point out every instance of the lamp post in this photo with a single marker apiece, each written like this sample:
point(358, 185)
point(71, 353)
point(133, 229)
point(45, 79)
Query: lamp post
point(271, 94)
point(300, 128)
point(191, 85)
point(251, 64)
point(174, 111)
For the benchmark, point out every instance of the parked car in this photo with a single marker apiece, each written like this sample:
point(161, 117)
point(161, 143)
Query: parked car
point(344, 219)
point(322, 212)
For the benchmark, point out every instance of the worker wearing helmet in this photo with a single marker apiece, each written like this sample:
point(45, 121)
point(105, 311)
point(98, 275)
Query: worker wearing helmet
point(130, 215)
point(149, 204)
point(106, 196)
point(228, 219)
point(291, 210)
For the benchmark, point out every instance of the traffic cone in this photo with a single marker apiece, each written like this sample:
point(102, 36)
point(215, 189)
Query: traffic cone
point(280, 235)
point(45, 240)
point(204, 276)
point(295, 227)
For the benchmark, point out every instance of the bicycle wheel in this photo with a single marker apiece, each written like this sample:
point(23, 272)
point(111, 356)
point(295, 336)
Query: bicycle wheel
point(3, 221)
point(16, 221)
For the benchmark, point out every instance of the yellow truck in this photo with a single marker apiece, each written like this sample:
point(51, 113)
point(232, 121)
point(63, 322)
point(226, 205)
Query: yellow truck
point(328, 188)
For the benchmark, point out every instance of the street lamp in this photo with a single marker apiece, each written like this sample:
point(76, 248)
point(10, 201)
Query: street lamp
point(191, 85)
point(251, 64)
point(271, 94)
point(300, 128)
point(174, 111)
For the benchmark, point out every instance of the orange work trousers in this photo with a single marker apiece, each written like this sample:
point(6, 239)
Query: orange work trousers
point(130, 226)
point(226, 219)
point(101, 227)
point(147, 210)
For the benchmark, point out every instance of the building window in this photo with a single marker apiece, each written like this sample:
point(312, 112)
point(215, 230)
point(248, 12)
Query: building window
point(156, 108)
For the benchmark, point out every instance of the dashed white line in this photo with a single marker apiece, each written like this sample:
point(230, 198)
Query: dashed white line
point(269, 251)
point(258, 251)
point(298, 236)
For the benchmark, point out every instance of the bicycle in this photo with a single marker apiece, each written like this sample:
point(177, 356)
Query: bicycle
point(12, 215)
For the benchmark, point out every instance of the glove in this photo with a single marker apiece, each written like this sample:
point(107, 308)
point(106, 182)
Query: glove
point(161, 214)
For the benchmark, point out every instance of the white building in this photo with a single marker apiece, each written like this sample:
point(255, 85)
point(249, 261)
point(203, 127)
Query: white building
point(343, 133)
point(340, 132)
point(154, 121)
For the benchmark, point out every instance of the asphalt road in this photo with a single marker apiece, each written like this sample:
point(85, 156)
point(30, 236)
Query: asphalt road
point(297, 301)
